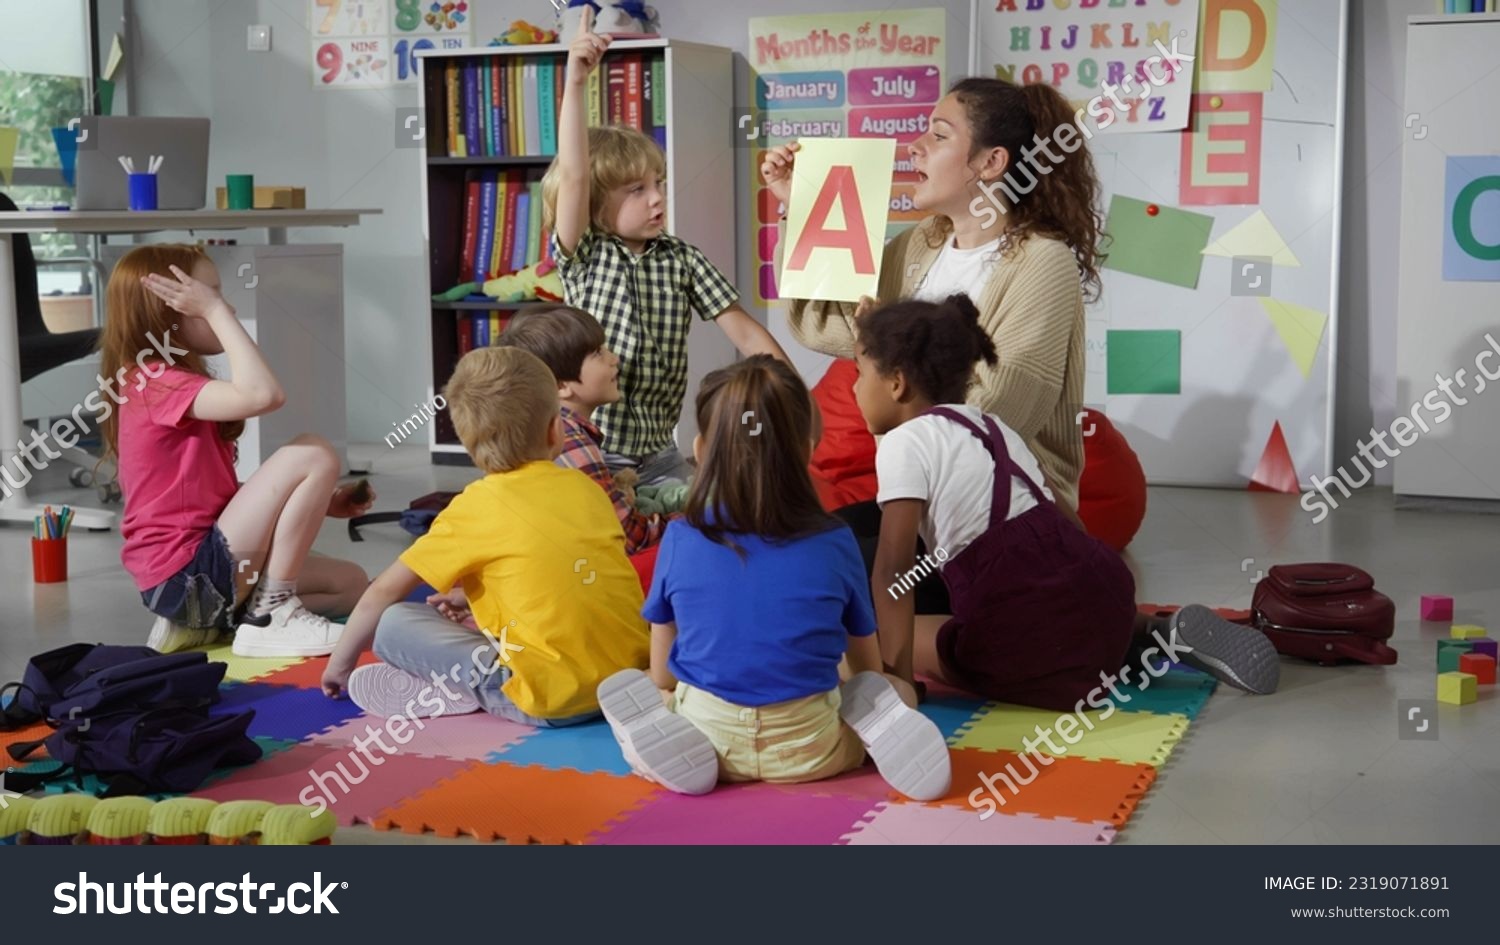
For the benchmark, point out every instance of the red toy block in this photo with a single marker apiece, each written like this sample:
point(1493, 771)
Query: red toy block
point(1437, 607)
point(1479, 665)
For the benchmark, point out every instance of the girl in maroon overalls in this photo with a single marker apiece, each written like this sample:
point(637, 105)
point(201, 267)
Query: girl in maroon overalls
point(1043, 613)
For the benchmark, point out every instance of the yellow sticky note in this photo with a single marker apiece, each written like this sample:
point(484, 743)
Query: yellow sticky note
point(8, 139)
point(1257, 236)
point(836, 218)
point(1301, 330)
point(116, 56)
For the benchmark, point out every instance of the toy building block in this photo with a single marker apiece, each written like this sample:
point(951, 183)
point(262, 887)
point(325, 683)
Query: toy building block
point(1466, 631)
point(1457, 688)
point(1486, 646)
point(1449, 652)
point(1437, 607)
point(1478, 665)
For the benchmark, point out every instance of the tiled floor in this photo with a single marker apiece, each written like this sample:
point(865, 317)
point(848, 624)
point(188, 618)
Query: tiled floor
point(1319, 762)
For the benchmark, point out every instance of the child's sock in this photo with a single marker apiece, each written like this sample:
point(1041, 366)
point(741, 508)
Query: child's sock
point(268, 595)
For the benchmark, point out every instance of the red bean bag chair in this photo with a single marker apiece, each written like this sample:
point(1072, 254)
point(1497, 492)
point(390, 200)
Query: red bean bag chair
point(1111, 490)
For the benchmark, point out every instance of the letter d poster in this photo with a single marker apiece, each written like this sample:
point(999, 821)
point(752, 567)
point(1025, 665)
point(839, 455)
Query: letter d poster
point(873, 75)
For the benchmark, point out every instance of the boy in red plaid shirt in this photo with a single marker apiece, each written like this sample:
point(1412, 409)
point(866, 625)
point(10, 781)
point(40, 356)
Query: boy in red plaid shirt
point(571, 343)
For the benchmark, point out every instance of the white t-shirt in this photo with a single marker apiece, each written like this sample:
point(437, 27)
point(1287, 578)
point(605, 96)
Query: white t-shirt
point(934, 459)
point(958, 270)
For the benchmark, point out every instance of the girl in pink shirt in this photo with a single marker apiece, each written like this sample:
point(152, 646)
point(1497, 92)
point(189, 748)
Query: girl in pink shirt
point(211, 555)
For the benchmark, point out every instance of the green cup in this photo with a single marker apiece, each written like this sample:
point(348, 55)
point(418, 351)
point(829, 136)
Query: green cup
point(241, 189)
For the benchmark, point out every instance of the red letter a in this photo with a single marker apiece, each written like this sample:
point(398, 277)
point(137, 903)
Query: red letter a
point(840, 184)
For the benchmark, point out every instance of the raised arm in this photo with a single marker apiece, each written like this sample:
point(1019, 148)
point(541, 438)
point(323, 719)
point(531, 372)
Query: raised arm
point(252, 389)
point(573, 134)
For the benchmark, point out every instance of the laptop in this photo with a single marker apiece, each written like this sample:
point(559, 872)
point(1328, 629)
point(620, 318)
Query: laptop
point(182, 182)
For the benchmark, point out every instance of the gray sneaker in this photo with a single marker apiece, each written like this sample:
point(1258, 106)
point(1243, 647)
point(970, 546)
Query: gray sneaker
point(906, 745)
point(1230, 652)
point(658, 744)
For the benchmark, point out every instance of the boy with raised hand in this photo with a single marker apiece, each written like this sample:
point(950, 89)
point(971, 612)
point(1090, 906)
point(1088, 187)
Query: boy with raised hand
point(604, 200)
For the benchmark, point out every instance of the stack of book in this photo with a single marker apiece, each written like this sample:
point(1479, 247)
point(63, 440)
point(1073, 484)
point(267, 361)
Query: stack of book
point(502, 225)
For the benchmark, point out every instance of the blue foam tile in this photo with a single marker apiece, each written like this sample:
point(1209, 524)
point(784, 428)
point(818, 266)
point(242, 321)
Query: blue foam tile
point(588, 748)
point(1180, 691)
point(285, 712)
point(93, 785)
point(950, 712)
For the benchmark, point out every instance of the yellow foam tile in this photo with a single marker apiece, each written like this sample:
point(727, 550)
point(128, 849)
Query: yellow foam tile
point(1127, 737)
point(245, 668)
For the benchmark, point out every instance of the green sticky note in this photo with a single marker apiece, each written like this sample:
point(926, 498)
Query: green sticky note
point(1166, 245)
point(1144, 362)
point(106, 96)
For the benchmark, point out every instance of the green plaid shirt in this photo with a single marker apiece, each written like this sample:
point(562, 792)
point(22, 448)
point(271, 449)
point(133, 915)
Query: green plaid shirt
point(643, 303)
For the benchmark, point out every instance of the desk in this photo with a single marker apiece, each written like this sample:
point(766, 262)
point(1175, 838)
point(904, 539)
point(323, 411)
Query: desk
point(17, 507)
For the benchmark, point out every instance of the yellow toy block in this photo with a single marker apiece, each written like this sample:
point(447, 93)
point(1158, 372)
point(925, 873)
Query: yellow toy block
point(1466, 631)
point(1458, 688)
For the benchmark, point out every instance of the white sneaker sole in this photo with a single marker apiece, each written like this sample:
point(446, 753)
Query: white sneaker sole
point(907, 747)
point(261, 642)
point(168, 637)
point(1241, 656)
point(670, 749)
point(382, 689)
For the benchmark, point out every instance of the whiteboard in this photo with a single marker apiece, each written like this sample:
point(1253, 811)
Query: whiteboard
point(1442, 323)
point(1239, 377)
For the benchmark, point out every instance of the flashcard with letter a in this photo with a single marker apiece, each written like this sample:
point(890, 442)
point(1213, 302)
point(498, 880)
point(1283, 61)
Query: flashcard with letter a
point(836, 218)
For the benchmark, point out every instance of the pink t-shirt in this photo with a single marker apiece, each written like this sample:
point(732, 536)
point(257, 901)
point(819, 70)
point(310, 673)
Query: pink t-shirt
point(177, 475)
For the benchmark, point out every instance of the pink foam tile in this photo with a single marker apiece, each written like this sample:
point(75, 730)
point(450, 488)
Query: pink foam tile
point(748, 814)
point(351, 787)
point(861, 784)
point(473, 736)
point(919, 825)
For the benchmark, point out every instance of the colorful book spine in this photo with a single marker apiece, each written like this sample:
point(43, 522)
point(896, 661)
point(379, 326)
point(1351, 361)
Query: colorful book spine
point(518, 112)
point(473, 133)
point(533, 124)
point(596, 98)
point(512, 201)
point(471, 231)
point(455, 130)
point(521, 224)
point(495, 328)
point(503, 186)
point(486, 240)
point(481, 322)
point(547, 107)
point(659, 99)
point(465, 335)
point(634, 106)
point(497, 118)
point(486, 126)
point(559, 76)
point(614, 90)
point(507, 109)
point(534, 224)
point(546, 244)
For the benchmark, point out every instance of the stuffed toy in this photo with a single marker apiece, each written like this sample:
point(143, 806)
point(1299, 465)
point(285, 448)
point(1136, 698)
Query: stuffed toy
point(625, 481)
point(537, 282)
point(522, 33)
point(612, 17)
point(661, 499)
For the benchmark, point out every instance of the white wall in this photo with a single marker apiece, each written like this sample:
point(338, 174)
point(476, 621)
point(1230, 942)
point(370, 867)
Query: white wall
point(190, 59)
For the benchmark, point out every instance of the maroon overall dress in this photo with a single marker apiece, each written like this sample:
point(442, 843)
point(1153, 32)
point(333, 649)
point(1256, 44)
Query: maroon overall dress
point(1040, 608)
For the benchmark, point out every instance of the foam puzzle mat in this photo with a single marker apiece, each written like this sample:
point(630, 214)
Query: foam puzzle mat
point(493, 780)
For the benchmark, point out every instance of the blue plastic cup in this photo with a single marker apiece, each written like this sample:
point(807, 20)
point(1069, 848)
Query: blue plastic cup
point(142, 191)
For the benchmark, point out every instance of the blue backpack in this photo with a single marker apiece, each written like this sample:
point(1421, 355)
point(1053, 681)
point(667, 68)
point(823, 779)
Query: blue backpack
point(136, 719)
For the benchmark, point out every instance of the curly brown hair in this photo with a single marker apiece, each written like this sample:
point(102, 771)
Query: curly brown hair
point(1064, 203)
point(934, 345)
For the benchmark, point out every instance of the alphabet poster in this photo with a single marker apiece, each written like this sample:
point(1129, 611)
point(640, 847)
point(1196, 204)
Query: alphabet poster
point(836, 218)
point(1116, 61)
point(841, 75)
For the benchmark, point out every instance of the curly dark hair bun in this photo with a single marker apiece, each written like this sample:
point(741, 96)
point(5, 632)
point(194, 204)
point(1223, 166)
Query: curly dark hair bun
point(935, 345)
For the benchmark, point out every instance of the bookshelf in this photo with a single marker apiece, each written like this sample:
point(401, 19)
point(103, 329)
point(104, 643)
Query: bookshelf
point(690, 104)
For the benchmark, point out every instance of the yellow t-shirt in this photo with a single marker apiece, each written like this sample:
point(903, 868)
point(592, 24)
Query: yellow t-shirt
point(539, 552)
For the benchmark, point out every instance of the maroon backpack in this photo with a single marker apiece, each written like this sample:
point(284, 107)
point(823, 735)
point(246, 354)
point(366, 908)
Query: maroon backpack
point(1326, 612)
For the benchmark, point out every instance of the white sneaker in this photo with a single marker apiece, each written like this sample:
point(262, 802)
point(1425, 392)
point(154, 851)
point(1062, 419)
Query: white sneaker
point(906, 745)
point(168, 636)
point(658, 744)
point(382, 689)
point(289, 630)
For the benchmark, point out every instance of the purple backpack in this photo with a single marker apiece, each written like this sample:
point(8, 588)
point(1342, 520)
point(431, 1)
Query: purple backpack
point(135, 718)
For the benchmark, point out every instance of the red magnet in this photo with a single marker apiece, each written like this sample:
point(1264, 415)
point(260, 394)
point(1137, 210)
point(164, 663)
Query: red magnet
point(1152, 209)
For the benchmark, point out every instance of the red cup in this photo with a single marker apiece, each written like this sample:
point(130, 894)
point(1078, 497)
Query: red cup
point(49, 560)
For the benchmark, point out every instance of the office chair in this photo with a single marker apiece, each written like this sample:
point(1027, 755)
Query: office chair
point(43, 350)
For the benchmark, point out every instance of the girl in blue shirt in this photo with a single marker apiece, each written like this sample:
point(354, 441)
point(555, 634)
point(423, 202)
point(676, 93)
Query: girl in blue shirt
point(757, 598)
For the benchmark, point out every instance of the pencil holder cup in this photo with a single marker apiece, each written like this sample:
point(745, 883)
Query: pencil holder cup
point(241, 191)
point(49, 560)
point(142, 191)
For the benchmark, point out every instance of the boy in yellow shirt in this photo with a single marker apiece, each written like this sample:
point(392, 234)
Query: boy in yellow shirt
point(540, 557)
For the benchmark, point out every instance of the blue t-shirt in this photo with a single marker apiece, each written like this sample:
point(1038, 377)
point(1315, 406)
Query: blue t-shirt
point(766, 628)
